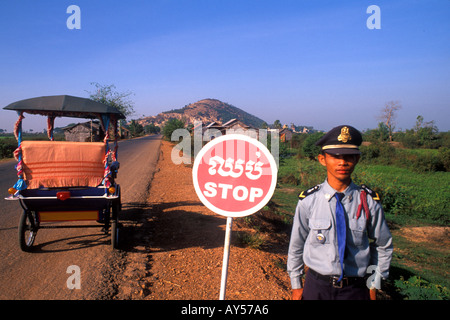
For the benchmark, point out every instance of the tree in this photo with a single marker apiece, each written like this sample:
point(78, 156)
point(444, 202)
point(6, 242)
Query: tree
point(426, 132)
point(419, 122)
point(109, 96)
point(388, 114)
point(379, 134)
point(151, 128)
point(309, 148)
point(422, 135)
point(277, 124)
point(170, 126)
point(383, 132)
point(136, 129)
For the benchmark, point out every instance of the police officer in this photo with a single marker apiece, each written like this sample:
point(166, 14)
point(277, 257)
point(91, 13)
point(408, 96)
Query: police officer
point(332, 226)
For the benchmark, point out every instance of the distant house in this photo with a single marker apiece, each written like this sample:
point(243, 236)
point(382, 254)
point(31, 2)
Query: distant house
point(124, 133)
point(235, 124)
point(286, 135)
point(84, 132)
point(215, 129)
point(213, 125)
point(91, 131)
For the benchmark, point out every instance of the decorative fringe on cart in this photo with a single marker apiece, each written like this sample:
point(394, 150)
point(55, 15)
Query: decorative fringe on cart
point(65, 182)
point(20, 184)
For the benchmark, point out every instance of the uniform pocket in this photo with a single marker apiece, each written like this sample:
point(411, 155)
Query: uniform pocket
point(320, 231)
point(358, 231)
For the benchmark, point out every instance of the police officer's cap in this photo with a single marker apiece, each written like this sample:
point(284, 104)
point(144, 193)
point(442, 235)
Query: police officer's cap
point(341, 140)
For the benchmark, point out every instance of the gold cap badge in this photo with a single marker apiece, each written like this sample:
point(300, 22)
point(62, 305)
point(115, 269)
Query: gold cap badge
point(342, 139)
point(345, 135)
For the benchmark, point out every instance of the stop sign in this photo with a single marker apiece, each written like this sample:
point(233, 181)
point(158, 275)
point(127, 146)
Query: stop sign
point(234, 175)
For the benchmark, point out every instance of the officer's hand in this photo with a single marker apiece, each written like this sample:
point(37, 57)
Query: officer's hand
point(373, 294)
point(297, 294)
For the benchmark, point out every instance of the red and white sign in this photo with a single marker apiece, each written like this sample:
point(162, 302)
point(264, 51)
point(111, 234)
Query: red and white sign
point(234, 175)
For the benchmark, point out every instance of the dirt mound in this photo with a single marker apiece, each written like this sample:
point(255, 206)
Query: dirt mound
point(433, 235)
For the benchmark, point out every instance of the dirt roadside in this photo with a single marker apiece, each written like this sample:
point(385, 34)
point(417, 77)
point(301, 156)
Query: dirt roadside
point(179, 249)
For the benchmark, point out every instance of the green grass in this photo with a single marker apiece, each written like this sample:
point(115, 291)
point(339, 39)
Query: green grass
point(408, 197)
point(420, 152)
point(432, 261)
point(424, 197)
point(252, 240)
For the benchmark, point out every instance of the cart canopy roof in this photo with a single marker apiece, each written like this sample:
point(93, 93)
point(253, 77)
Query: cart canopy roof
point(64, 106)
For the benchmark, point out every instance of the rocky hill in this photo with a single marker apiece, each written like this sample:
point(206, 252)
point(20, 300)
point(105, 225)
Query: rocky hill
point(207, 111)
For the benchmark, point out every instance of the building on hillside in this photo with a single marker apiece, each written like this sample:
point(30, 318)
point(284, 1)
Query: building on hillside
point(236, 125)
point(285, 135)
point(215, 129)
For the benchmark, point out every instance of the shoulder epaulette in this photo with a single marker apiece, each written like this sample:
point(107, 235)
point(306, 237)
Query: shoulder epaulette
point(308, 192)
point(370, 192)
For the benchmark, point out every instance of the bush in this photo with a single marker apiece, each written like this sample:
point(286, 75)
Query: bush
point(369, 153)
point(290, 178)
point(427, 163)
point(421, 160)
point(444, 156)
point(252, 240)
point(170, 126)
point(379, 153)
point(309, 148)
point(418, 160)
point(395, 198)
point(303, 173)
point(416, 288)
point(311, 173)
point(7, 147)
point(408, 140)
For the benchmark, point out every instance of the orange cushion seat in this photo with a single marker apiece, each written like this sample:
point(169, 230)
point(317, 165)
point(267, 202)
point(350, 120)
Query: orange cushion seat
point(62, 163)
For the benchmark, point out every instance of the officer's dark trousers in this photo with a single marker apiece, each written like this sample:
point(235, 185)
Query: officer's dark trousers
point(316, 288)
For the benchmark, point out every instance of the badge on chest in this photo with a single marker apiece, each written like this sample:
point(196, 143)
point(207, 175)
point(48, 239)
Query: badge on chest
point(320, 238)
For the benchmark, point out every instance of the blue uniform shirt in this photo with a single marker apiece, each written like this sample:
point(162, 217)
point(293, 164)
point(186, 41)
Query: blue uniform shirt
point(314, 242)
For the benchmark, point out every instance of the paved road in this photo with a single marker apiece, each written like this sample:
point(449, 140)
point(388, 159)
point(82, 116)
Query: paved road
point(43, 274)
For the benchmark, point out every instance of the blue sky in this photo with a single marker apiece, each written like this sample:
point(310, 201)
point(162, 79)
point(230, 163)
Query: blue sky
point(305, 62)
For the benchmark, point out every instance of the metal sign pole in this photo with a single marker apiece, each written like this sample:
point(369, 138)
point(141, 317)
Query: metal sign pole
point(226, 255)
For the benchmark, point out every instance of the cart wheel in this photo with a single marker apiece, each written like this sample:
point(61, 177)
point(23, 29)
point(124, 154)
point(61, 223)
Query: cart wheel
point(28, 229)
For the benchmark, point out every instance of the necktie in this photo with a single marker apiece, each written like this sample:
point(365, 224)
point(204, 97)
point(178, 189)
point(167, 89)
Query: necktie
point(341, 230)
